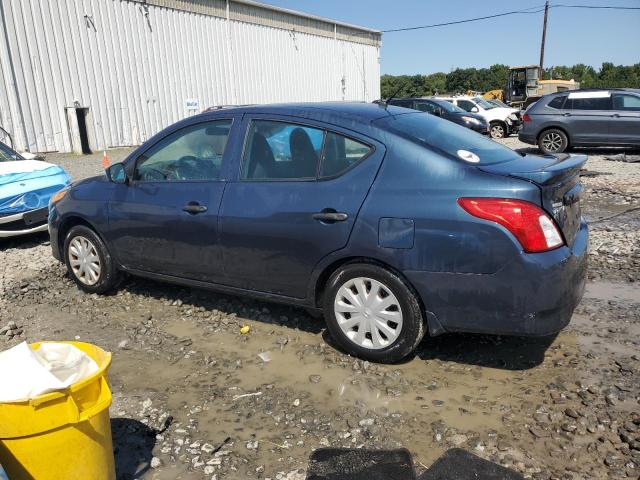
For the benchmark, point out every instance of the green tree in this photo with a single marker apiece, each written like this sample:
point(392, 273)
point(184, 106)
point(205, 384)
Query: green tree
point(460, 80)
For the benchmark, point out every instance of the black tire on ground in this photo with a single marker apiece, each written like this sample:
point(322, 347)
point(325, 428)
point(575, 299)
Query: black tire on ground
point(498, 130)
point(109, 276)
point(553, 140)
point(413, 325)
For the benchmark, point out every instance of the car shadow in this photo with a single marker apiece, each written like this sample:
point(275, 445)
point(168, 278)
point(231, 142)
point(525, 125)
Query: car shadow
point(608, 151)
point(245, 307)
point(133, 444)
point(24, 242)
point(490, 351)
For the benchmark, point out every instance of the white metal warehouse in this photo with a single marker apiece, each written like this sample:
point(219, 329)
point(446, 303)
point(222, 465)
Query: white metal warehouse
point(80, 75)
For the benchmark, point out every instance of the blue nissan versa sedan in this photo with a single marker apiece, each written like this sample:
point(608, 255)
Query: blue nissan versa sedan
point(390, 221)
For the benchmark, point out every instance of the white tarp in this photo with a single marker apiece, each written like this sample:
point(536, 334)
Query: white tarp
point(26, 373)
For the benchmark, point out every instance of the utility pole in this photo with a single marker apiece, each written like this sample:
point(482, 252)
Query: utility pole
point(544, 37)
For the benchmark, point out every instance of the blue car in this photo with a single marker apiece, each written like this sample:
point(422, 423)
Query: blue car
point(25, 189)
point(389, 221)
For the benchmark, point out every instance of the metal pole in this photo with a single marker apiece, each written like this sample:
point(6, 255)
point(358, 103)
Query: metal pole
point(544, 37)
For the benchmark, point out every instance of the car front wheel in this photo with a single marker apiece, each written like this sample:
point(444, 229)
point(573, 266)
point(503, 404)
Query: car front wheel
point(88, 261)
point(498, 130)
point(372, 314)
point(553, 141)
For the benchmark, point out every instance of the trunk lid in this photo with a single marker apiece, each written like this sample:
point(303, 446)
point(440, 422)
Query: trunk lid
point(558, 177)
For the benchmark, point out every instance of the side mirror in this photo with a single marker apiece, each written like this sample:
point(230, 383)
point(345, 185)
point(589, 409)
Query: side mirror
point(474, 110)
point(116, 173)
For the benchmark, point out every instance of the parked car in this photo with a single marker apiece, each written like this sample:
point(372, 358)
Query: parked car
point(389, 221)
point(25, 189)
point(446, 110)
point(502, 121)
point(583, 118)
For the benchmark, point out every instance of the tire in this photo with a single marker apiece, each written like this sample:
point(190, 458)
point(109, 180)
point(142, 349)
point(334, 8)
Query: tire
point(401, 313)
point(82, 243)
point(498, 130)
point(553, 141)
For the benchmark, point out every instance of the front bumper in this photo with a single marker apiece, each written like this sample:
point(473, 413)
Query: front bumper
point(23, 223)
point(533, 295)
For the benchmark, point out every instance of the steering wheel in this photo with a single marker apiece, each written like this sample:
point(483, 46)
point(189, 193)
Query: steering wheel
point(187, 168)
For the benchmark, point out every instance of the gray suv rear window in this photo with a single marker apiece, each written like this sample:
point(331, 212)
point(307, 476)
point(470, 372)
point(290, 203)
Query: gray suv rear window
point(598, 103)
point(446, 137)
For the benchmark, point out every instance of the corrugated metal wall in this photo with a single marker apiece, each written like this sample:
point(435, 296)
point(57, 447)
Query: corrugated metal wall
point(135, 66)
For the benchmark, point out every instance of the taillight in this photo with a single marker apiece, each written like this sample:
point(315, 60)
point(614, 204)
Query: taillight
point(526, 118)
point(535, 230)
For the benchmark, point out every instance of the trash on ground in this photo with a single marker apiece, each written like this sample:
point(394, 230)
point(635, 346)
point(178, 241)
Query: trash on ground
point(623, 157)
point(26, 373)
point(265, 357)
point(245, 329)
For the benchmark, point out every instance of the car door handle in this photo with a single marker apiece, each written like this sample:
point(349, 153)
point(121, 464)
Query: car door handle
point(330, 217)
point(194, 208)
point(566, 114)
point(616, 115)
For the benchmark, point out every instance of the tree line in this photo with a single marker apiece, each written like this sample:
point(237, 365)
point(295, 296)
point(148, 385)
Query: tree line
point(495, 77)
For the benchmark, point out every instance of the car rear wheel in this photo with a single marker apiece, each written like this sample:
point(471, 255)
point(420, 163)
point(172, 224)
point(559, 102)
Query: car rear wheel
point(498, 130)
point(372, 314)
point(553, 141)
point(88, 261)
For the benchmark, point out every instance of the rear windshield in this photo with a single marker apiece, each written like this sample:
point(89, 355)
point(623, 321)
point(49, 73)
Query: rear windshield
point(447, 137)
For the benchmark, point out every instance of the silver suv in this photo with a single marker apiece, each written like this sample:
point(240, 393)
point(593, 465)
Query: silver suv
point(583, 118)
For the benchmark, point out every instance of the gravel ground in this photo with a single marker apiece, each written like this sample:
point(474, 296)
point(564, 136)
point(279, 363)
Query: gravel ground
point(195, 399)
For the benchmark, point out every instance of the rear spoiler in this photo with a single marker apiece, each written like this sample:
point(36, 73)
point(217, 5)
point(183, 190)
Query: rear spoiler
point(542, 170)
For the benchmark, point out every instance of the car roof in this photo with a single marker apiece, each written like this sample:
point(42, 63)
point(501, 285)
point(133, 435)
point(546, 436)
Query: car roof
point(615, 89)
point(360, 111)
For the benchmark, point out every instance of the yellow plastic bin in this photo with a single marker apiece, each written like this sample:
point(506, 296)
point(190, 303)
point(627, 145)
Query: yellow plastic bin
point(61, 435)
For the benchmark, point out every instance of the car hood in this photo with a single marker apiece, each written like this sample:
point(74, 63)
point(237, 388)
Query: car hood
point(29, 184)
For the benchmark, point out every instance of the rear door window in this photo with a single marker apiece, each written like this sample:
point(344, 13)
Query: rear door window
point(588, 103)
point(282, 151)
point(427, 107)
point(340, 154)
point(626, 102)
point(277, 150)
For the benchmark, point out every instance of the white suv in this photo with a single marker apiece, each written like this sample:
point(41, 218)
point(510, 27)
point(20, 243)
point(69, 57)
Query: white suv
point(503, 121)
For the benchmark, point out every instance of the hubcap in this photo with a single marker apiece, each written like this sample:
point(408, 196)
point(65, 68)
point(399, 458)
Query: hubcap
point(552, 142)
point(84, 260)
point(497, 131)
point(368, 313)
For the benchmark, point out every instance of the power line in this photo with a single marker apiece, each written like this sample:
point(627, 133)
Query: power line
point(504, 14)
point(531, 10)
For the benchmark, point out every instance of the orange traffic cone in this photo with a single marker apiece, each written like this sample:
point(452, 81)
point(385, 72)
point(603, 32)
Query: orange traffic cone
point(105, 160)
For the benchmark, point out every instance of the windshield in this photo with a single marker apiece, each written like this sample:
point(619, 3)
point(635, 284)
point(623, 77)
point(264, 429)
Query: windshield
point(482, 102)
point(8, 155)
point(498, 103)
point(446, 137)
point(448, 106)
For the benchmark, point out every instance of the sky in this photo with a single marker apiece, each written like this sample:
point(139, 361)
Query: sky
point(573, 35)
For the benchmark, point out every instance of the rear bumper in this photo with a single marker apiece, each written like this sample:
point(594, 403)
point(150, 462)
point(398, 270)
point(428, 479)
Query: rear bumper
point(22, 223)
point(527, 137)
point(533, 295)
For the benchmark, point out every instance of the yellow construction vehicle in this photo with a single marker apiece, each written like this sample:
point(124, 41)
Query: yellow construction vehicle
point(525, 87)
